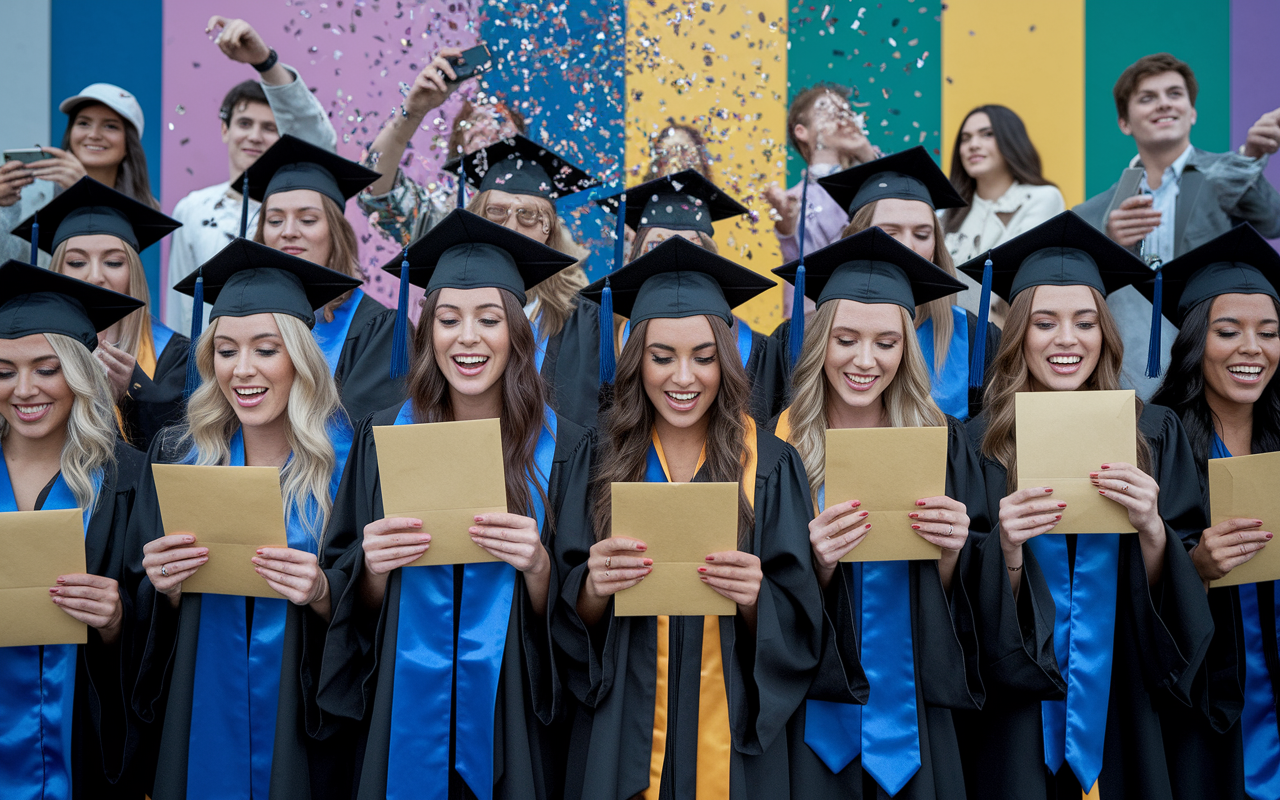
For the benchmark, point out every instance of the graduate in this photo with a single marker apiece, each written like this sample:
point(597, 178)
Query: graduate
point(861, 366)
point(95, 234)
point(518, 182)
point(67, 729)
point(1076, 687)
point(448, 668)
point(667, 707)
point(303, 190)
point(1223, 298)
point(219, 674)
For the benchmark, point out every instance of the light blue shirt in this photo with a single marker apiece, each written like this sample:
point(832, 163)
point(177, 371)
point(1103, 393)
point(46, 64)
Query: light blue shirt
point(1160, 242)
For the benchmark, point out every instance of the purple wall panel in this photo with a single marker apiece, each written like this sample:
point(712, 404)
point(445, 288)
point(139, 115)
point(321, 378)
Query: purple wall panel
point(1255, 83)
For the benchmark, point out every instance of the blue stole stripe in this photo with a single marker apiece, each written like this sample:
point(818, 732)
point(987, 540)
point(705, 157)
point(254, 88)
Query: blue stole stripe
point(1258, 725)
point(887, 731)
point(160, 336)
point(37, 696)
point(331, 336)
point(950, 387)
point(427, 663)
point(539, 344)
point(745, 340)
point(233, 711)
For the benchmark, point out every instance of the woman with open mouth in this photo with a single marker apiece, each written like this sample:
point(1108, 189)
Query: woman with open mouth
point(447, 669)
point(217, 674)
point(1132, 623)
point(1223, 297)
point(687, 706)
point(861, 366)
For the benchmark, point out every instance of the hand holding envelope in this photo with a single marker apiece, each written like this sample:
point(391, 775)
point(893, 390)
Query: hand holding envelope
point(38, 547)
point(1244, 487)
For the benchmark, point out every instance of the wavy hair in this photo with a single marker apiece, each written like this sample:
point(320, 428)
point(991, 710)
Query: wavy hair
point(523, 397)
point(344, 253)
point(137, 324)
point(313, 402)
point(627, 429)
point(1015, 145)
point(131, 175)
point(907, 402)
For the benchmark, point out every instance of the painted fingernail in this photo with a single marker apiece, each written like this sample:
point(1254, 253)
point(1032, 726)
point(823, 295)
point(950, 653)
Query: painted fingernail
point(1106, 466)
point(915, 527)
point(865, 514)
point(53, 590)
point(1057, 517)
point(1104, 494)
point(1093, 474)
point(62, 580)
point(648, 562)
point(1062, 505)
point(919, 502)
point(914, 515)
point(1269, 535)
point(479, 518)
point(1047, 490)
point(259, 552)
point(642, 547)
point(702, 569)
point(855, 504)
point(711, 558)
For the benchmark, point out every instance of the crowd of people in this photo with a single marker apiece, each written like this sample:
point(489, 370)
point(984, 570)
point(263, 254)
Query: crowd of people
point(1019, 662)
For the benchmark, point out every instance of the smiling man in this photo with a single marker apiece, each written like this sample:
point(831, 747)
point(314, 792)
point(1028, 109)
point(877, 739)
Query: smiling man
point(1187, 197)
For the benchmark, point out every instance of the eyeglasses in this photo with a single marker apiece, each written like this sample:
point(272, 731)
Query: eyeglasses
point(525, 217)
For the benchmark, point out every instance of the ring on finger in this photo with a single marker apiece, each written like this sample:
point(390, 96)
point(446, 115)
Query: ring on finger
point(606, 574)
point(164, 570)
point(951, 529)
point(1124, 488)
point(608, 560)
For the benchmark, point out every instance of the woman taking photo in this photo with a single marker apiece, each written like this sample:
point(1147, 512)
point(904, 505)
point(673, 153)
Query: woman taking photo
point(64, 705)
point(456, 709)
point(1223, 298)
point(680, 414)
point(1131, 607)
point(218, 674)
point(95, 234)
point(861, 367)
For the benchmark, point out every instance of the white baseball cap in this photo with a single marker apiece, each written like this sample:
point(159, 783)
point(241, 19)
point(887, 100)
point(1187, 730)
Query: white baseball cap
point(111, 96)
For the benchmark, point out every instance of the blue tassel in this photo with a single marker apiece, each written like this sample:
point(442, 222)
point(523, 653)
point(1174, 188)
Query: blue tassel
point(796, 334)
point(608, 365)
point(197, 328)
point(462, 183)
point(400, 333)
point(1153, 350)
point(244, 207)
point(35, 238)
point(977, 358)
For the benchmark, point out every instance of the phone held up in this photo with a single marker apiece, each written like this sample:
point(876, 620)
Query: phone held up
point(472, 62)
point(27, 155)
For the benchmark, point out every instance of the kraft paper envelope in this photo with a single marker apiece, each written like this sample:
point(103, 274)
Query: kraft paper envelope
point(1062, 437)
point(233, 511)
point(38, 546)
point(443, 473)
point(1245, 487)
point(694, 521)
point(888, 469)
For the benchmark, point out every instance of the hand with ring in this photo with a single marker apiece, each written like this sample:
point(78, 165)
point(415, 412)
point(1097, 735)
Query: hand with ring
point(944, 522)
point(604, 578)
point(170, 560)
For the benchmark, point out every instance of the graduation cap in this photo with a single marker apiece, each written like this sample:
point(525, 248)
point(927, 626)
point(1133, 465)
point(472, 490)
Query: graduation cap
point(682, 201)
point(466, 251)
point(522, 166)
point(291, 164)
point(1239, 261)
point(909, 175)
point(872, 267)
point(36, 300)
point(89, 208)
point(1062, 251)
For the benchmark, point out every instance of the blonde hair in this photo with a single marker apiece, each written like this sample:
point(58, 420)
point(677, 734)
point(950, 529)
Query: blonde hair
point(907, 402)
point(937, 310)
point(313, 401)
point(137, 324)
point(344, 253)
point(91, 427)
point(557, 296)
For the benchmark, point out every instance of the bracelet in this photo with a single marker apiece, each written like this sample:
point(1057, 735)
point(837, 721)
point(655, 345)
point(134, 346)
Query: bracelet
point(269, 63)
point(1014, 569)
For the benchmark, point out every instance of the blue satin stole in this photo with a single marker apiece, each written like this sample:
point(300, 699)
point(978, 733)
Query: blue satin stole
point(428, 661)
point(331, 336)
point(37, 695)
point(950, 386)
point(233, 710)
point(160, 336)
point(886, 732)
point(745, 339)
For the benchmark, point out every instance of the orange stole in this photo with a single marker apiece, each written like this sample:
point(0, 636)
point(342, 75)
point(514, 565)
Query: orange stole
point(715, 748)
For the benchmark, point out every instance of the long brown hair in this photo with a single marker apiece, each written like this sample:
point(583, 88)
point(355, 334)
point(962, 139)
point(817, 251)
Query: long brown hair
point(1020, 156)
point(627, 429)
point(344, 253)
point(522, 396)
point(937, 310)
point(131, 176)
point(1009, 375)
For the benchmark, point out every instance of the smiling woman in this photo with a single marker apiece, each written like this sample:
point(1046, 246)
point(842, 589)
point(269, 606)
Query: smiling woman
point(104, 134)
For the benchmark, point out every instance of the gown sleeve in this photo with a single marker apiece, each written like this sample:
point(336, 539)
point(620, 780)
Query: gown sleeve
point(152, 404)
point(364, 368)
point(767, 370)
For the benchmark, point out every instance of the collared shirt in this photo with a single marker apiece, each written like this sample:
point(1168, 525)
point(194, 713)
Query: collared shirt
point(824, 222)
point(1160, 242)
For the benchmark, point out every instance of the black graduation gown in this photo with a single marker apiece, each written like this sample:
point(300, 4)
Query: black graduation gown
point(154, 403)
point(1161, 636)
point(348, 674)
point(946, 660)
point(364, 366)
point(611, 670)
point(767, 372)
point(571, 369)
point(302, 768)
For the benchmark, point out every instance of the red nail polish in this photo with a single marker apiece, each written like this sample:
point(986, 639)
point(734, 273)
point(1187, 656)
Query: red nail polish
point(919, 502)
point(1047, 490)
point(1062, 505)
point(479, 518)
point(711, 558)
point(1269, 535)
point(259, 552)
point(915, 527)
point(914, 515)
point(1106, 466)
point(702, 569)
point(642, 547)
point(1093, 474)
point(1057, 516)
point(648, 562)
point(855, 504)
point(1104, 494)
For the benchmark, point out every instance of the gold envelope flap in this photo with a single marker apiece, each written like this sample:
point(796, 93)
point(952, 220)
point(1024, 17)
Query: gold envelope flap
point(681, 524)
point(1248, 487)
point(233, 511)
point(1064, 436)
point(443, 473)
point(39, 546)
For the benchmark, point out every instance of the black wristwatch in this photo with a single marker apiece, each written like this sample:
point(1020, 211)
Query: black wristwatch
point(269, 63)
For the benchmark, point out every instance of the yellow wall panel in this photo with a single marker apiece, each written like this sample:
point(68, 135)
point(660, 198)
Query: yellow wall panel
point(1027, 55)
point(722, 68)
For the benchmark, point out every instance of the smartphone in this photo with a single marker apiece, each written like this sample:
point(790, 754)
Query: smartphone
point(1130, 184)
point(472, 62)
point(27, 155)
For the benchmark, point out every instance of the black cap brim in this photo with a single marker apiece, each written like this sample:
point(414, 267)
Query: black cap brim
point(520, 165)
point(94, 208)
point(338, 178)
point(909, 175)
point(34, 300)
point(1239, 261)
point(676, 190)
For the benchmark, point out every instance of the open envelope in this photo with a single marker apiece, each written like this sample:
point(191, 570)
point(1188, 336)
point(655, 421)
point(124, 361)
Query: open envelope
point(1064, 436)
point(681, 524)
point(233, 511)
point(888, 469)
point(443, 473)
point(38, 546)
point(1245, 487)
